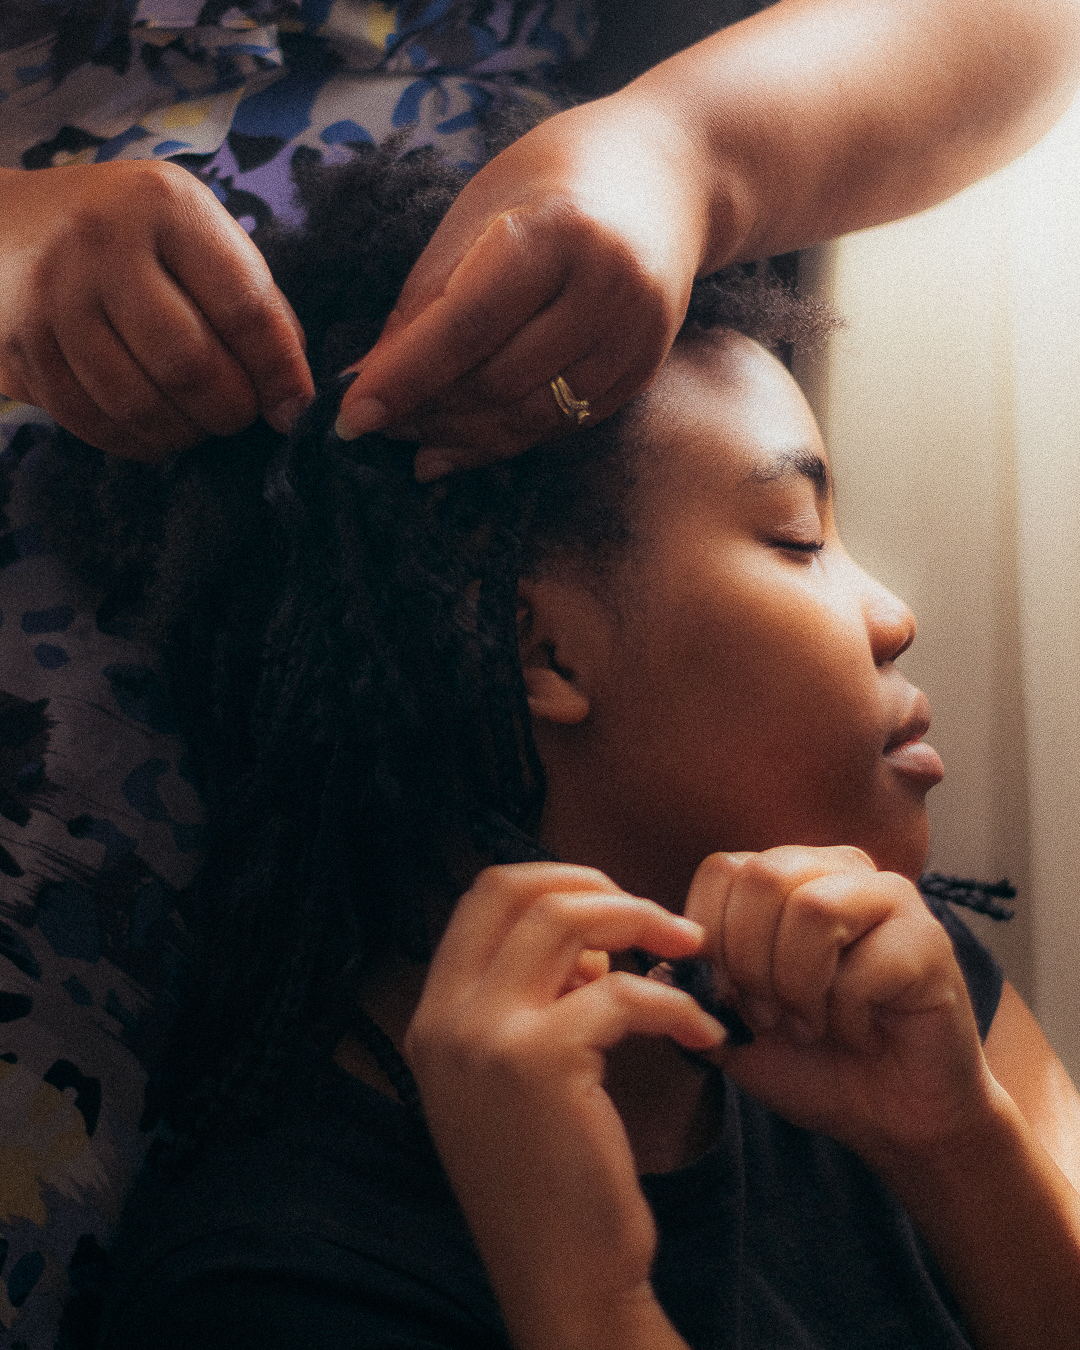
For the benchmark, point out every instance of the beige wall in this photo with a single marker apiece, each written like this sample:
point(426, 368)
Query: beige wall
point(951, 405)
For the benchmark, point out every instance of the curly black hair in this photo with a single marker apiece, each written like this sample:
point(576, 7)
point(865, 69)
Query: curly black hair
point(342, 641)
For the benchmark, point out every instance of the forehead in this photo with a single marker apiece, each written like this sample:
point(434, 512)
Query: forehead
point(724, 414)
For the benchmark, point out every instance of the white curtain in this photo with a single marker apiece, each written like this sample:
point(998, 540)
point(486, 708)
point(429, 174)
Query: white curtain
point(951, 405)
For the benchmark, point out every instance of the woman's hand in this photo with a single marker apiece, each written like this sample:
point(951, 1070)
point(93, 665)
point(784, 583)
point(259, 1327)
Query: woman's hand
point(572, 253)
point(863, 1025)
point(508, 1047)
point(137, 311)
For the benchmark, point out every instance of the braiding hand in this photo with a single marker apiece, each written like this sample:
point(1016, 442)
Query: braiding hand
point(507, 1046)
point(571, 254)
point(137, 311)
point(863, 1025)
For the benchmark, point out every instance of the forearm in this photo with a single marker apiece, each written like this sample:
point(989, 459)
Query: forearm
point(817, 117)
point(1004, 1223)
point(555, 1323)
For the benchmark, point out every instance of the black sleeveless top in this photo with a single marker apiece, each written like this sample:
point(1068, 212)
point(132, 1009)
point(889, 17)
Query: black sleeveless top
point(338, 1229)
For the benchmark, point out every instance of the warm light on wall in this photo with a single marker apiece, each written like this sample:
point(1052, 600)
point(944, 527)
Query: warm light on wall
point(951, 405)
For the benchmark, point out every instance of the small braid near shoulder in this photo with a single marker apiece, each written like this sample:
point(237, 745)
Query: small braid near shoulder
point(342, 644)
point(984, 897)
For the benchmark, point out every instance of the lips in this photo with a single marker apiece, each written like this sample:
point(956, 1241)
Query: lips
point(908, 753)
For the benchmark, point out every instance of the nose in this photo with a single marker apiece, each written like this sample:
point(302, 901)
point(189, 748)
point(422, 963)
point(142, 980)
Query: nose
point(889, 623)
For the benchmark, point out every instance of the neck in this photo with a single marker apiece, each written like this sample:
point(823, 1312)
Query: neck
point(599, 837)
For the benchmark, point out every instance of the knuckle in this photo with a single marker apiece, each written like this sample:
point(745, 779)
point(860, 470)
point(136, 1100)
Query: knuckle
point(142, 187)
point(159, 184)
point(245, 308)
point(769, 870)
point(557, 909)
point(852, 857)
point(624, 987)
point(508, 1049)
point(817, 906)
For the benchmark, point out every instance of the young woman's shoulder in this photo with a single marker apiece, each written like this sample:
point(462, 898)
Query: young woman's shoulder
point(333, 1226)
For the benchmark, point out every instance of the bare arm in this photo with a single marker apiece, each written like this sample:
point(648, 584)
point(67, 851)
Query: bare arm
point(573, 252)
point(819, 117)
point(999, 1206)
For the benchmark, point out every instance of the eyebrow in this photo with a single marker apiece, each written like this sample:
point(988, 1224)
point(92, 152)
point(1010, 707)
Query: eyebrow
point(803, 462)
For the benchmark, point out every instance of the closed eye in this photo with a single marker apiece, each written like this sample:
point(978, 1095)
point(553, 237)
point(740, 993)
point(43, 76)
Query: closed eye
point(800, 545)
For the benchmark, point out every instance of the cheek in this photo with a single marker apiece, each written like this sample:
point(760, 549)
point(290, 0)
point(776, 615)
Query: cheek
point(754, 718)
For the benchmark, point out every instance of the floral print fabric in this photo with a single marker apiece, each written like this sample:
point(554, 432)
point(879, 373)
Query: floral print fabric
point(100, 822)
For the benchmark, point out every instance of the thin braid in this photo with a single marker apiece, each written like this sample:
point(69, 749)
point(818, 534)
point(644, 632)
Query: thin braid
point(522, 783)
point(984, 897)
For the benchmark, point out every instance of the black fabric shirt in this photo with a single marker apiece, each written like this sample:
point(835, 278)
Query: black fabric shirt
point(338, 1229)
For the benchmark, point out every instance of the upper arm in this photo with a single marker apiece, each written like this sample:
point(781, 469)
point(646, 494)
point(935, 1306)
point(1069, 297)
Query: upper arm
point(1022, 1061)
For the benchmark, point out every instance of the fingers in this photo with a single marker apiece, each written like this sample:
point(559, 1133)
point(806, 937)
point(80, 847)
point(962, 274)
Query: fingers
point(904, 967)
point(186, 371)
point(814, 942)
point(468, 431)
point(542, 948)
point(47, 381)
point(538, 295)
point(607, 1011)
point(496, 287)
point(235, 299)
point(524, 928)
point(493, 903)
point(521, 976)
point(605, 341)
point(142, 317)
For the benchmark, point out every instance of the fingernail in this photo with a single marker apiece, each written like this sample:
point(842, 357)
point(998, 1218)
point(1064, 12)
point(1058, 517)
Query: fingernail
point(363, 415)
point(283, 417)
point(432, 464)
point(719, 1031)
point(762, 1013)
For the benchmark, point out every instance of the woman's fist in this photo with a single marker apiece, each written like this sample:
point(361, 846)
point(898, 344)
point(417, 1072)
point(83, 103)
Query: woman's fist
point(863, 1026)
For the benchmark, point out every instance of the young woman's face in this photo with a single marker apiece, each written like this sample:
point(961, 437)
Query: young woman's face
point(742, 686)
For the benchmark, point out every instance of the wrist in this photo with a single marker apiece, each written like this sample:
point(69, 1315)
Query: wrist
point(935, 1166)
point(708, 184)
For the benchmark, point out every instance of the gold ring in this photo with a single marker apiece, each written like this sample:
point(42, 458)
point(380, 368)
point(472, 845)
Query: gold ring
point(577, 408)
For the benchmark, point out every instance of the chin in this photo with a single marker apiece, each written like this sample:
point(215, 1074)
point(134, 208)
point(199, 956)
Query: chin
point(903, 851)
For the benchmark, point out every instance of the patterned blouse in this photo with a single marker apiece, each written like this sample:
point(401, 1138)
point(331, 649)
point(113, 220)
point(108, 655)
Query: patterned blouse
point(99, 821)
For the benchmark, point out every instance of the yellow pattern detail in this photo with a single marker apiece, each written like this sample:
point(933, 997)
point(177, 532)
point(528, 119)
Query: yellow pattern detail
point(186, 114)
point(380, 23)
point(20, 1188)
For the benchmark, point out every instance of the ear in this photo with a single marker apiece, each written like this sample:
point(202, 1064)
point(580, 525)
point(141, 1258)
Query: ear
point(563, 633)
